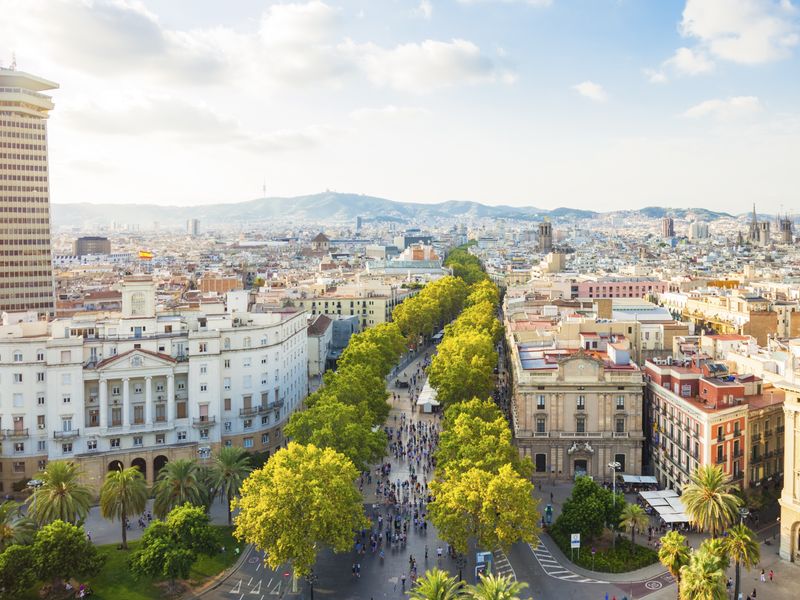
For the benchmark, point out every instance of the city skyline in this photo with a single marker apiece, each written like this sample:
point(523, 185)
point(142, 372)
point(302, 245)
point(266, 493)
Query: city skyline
point(611, 104)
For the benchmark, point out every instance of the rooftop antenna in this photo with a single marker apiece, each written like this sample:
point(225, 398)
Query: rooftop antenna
point(13, 65)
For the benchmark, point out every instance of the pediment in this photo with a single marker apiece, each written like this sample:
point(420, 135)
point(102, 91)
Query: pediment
point(135, 359)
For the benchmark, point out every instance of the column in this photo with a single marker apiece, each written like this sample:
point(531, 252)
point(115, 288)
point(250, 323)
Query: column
point(126, 403)
point(171, 399)
point(103, 390)
point(148, 400)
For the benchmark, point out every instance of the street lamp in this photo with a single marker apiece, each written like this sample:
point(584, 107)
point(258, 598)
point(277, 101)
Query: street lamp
point(35, 484)
point(743, 513)
point(311, 579)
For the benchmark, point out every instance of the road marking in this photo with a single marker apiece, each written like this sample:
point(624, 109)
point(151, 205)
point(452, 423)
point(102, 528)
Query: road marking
point(501, 557)
point(257, 589)
point(237, 588)
point(250, 582)
point(554, 569)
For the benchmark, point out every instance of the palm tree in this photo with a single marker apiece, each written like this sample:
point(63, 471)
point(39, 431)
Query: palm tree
point(703, 578)
point(743, 549)
point(124, 493)
point(633, 517)
point(496, 587)
point(231, 467)
point(61, 495)
point(674, 554)
point(15, 528)
point(709, 501)
point(436, 585)
point(177, 483)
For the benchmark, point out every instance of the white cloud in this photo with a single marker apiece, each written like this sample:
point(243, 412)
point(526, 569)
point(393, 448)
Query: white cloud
point(542, 3)
point(424, 66)
point(730, 108)
point(389, 112)
point(655, 75)
point(424, 10)
point(685, 61)
point(742, 31)
point(593, 91)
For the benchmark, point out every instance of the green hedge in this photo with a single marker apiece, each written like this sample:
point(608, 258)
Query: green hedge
point(622, 559)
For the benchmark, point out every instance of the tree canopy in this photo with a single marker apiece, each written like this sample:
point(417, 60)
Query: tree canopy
point(463, 367)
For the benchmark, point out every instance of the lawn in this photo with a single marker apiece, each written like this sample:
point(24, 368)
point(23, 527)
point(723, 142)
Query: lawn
point(620, 558)
point(116, 582)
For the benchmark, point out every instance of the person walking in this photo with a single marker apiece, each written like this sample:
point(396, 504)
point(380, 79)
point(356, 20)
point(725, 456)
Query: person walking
point(771, 575)
point(763, 576)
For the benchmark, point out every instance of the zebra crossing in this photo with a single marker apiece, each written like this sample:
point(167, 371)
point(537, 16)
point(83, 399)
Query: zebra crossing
point(554, 569)
point(502, 566)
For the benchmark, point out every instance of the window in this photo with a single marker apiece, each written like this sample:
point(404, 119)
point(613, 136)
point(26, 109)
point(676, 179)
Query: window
point(540, 402)
point(41, 446)
point(246, 362)
point(40, 400)
point(719, 433)
point(19, 447)
point(226, 383)
point(66, 398)
point(265, 420)
point(228, 443)
point(203, 369)
point(91, 444)
point(181, 385)
point(227, 403)
point(17, 377)
point(247, 342)
point(248, 442)
point(581, 402)
point(541, 463)
point(227, 363)
point(66, 356)
point(17, 356)
point(620, 425)
point(40, 377)
point(137, 388)
point(227, 426)
point(66, 423)
point(160, 439)
point(203, 387)
point(181, 410)
point(40, 355)
point(226, 343)
point(620, 458)
point(248, 423)
point(620, 402)
point(265, 438)
point(19, 467)
point(115, 442)
point(181, 436)
point(204, 434)
point(137, 440)
point(202, 347)
point(66, 448)
point(540, 425)
point(581, 425)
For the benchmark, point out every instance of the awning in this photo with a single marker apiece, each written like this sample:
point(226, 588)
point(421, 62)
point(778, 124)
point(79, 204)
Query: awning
point(639, 479)
point(676, 518)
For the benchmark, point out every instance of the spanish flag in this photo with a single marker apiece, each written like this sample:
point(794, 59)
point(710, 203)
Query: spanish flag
point(145, 255)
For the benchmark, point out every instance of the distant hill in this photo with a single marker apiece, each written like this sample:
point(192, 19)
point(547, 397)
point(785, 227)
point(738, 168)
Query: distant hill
point(327, 207)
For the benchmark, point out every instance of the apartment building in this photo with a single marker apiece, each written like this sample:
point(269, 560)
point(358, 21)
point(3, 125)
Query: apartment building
point(372, 303)
point(576, 410)
point(699, 413)
point(142, 387)
point(790, 498)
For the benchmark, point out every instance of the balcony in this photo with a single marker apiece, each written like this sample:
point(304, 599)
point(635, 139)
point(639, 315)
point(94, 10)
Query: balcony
point(737, 476)
point(204, 421)
point(721, 459)
point(621, 434)
point(767, 433)
point(755, 438)
point(16, 434)
point(737, 454)
point(540, 434)
point(580, 434)
point(737, 433)
point(781, 429)
point(249, 412)
point(720, 439)
point(72, 433)
point(756, 459)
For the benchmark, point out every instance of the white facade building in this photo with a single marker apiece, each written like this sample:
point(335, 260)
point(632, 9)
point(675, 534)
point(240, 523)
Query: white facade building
point(144, 387)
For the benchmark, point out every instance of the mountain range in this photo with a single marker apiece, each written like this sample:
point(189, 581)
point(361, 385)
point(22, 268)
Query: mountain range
point(331, 207)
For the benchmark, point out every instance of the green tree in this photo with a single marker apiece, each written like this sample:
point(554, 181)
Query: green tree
point(494, 509)
point(124, 493)
point(15, 528)
point(231, 467)
point(589, 509)
point(674, 554)
point(483, 291)
point(633, 517)
point(346, 429)
point(463, 368)
point(62, 551)
point(709, 500)
point(703, 578)
point(742, 548)
point(304, 498)
point(496, 587)
point(378, 348)
point(17, 571)
point(478, 317)
point(355, 387)
point(170, 548)
point(178, 482)
point(436, 584)
point(61, 495)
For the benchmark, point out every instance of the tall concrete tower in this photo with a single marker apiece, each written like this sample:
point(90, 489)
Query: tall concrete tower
point(667, 227)
point(26, 268)
point(786, 230)
point(545, 236)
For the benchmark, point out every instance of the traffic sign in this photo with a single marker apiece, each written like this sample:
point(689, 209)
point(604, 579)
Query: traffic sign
point(575, 540)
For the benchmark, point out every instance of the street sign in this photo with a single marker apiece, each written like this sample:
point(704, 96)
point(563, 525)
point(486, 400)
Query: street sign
point(575, 540)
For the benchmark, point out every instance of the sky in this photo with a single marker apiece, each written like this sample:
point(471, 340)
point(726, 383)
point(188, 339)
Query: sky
point(595, 104)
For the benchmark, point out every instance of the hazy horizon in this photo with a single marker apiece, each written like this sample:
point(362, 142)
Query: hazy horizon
point(604, 104)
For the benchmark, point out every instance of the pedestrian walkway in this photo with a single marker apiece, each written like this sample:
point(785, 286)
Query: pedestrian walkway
point(553, 568)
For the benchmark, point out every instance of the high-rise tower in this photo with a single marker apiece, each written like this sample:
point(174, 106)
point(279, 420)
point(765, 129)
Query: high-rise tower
point(545, 237)
point(667, 227)
point(26, 266)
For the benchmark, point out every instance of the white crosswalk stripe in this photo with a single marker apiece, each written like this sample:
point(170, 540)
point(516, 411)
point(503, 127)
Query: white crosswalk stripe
point(553, 569)
point(502, 566)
